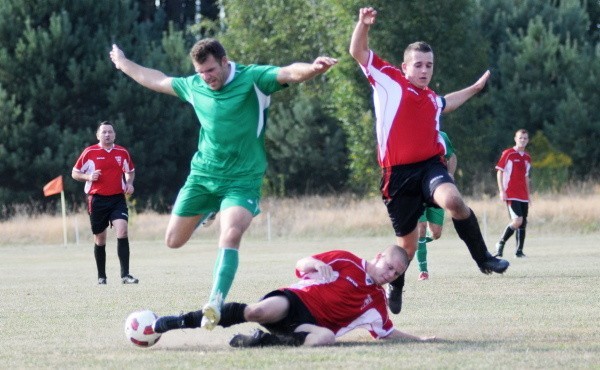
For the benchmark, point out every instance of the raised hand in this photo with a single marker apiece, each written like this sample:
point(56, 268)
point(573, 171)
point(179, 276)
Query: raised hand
point(367, 16)
point(117, 56)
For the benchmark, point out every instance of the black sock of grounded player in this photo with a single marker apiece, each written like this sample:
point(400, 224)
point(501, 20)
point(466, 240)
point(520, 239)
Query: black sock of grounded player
point(232, 313)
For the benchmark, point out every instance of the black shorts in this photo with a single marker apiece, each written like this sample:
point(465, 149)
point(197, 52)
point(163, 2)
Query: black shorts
point(516, 208)
point(103, 209)
point(297, 314)
point(407, 189)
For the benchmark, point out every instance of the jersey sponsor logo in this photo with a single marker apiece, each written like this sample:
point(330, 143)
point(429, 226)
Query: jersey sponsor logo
point(351, 281)
point(119, 159)
point(100, 157)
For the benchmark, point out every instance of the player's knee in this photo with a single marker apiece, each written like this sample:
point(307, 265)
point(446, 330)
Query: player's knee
point(172, 241)
point(232, 236)
point(517, 222)
point(436, 234)
point(456, 206)
point(122, 234)
point(524, 223)
point(255, 313)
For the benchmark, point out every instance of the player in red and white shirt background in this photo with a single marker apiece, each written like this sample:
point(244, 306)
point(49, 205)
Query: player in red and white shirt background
point(513, 187)
point(337, 292)
point(410, 147)
point(108, 172)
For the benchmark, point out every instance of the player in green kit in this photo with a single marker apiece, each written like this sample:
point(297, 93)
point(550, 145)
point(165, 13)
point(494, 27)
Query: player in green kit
point(431, 222)
point(231, 102)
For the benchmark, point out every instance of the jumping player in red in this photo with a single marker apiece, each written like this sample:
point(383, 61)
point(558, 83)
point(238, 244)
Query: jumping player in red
point(337, 292)
point(108, 172)
point(513, 186)
point(410, 148)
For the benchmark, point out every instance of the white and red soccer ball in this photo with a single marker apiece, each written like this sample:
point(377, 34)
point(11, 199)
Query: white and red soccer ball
point(138, 328)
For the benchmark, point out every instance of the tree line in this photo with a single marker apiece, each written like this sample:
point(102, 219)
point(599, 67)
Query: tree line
point(57, 82)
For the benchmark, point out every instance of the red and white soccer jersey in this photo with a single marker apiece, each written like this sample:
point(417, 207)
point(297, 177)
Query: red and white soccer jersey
point(349, 302)
point(112, 164)
point(515, 166)
point(408, 117)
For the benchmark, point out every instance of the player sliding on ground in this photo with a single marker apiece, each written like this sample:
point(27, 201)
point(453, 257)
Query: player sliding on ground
point(337, 292)
point(231, 102)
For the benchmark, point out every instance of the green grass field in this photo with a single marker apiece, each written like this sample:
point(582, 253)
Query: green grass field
point(543, 313)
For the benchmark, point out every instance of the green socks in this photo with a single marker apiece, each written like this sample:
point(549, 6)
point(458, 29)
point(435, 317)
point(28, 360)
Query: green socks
point(422, 254)
point(224, 273)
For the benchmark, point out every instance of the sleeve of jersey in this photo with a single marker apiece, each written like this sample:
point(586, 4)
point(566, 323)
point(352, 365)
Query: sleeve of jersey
point(373, 63)
point(502, 162)
point(80, 161)
point(182, 87)
point(380, 72)
point(265, 78)
point(330, 256)
point(327, 257)
point(128, 165)
point(381, 329)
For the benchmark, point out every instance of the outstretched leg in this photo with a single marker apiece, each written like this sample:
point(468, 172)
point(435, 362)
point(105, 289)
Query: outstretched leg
point(234, 222)
point(448, 197)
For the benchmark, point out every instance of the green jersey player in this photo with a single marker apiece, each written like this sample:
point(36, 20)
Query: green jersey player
point(230, 101)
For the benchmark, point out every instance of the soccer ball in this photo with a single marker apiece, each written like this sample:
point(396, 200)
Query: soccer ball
point(138, 328)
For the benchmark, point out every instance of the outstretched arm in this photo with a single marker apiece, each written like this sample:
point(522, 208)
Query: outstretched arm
point(359, 44)
point(300, 72)
point(398, 335)
point(457, 98)
point(147, 77)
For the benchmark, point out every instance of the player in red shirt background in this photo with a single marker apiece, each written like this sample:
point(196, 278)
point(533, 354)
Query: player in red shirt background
point(513, 187)
point(410, 147)
point(108, 173)
point(337, 292)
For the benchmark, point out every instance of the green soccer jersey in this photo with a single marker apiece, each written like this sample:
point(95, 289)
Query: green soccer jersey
point(231, 143)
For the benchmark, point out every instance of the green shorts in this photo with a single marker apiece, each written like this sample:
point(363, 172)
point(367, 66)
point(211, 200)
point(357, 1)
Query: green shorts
point(433, 215)
point(201, 195)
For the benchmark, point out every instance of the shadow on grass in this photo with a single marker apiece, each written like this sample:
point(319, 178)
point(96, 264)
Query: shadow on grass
point(446, 344)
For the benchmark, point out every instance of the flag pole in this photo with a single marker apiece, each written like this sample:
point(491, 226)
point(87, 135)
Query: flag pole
point(64, 216)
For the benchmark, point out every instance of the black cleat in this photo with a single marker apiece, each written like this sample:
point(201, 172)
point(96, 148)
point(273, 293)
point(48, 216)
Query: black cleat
point(101, 281)
point(257, 339)
point(394, 297)
point(520, 255)
point(128, 279)
point(165, 323)
point(493, 264)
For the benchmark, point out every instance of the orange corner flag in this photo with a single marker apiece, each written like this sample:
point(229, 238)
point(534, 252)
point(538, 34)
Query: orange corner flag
point(54, 187)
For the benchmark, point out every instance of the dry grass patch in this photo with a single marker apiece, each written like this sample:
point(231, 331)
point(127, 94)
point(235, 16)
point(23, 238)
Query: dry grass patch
point(332, 216)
